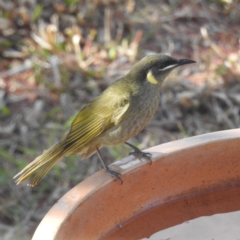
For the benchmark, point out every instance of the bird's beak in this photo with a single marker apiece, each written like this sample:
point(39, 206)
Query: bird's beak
point(184, 61)
point(178, 63)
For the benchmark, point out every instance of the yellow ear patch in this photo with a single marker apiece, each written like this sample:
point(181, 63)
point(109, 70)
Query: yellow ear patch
point(151, 78)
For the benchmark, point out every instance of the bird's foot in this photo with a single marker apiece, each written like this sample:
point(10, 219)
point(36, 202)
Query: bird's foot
point(139, 154)
point(113, 174)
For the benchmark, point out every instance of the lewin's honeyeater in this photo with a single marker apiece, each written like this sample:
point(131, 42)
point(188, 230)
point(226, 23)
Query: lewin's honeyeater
point(113, 117)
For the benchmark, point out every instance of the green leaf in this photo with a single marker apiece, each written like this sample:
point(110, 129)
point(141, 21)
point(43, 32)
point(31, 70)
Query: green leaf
point(5, 111)
point(112, 54)
point(70, 2)
point(37, 12)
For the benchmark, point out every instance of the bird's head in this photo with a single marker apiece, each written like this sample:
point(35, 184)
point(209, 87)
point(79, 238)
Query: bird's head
point(155, 68)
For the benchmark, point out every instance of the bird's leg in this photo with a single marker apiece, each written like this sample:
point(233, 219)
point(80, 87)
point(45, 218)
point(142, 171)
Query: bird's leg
point(139, 154)
point(107, 169)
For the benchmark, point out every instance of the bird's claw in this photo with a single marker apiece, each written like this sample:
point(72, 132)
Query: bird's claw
point(113, 174)
point(139, 154)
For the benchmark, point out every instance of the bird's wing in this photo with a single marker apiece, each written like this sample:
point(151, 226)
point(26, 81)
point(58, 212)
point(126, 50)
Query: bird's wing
point(93, 120)
point(119, 112)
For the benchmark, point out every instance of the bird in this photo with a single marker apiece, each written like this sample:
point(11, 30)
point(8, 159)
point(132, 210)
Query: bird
point(119, 113)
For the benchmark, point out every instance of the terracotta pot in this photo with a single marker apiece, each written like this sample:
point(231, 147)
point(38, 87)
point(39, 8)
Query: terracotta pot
point(189, 178)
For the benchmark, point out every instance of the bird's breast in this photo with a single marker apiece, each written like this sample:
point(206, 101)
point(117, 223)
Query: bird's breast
point(142, 107)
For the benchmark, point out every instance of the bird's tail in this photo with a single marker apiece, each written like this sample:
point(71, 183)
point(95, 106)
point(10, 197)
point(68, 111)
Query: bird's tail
point(41, 165)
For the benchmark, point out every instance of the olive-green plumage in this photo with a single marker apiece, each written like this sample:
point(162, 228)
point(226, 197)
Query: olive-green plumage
point(115, 116)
